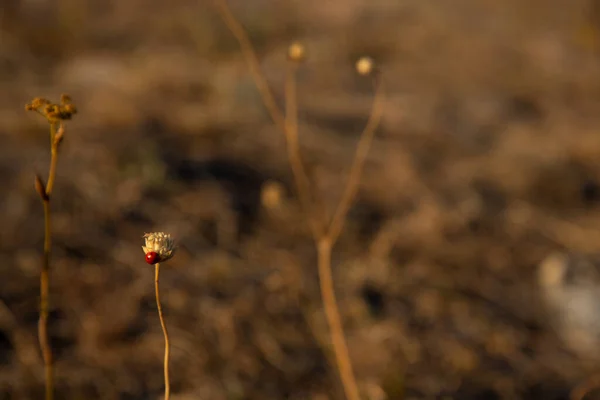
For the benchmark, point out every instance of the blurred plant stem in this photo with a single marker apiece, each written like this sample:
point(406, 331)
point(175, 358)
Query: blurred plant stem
point(325, 231)
point(45, 271)
point(55, 114)
point(165, 332)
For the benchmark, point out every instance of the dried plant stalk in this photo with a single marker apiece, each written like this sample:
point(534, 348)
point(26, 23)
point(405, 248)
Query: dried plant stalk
point(44, 303)
point(325, 233)
point(55, 114)
point(165, 332)
point(159, 247)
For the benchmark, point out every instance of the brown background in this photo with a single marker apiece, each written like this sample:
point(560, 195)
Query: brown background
point(487, 159)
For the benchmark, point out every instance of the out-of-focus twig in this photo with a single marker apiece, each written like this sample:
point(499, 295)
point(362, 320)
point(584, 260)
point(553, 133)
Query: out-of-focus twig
point(325, 233)
point(55, 114)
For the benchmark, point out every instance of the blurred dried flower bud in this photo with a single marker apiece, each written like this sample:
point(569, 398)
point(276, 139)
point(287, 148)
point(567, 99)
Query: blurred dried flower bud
point(36, 104)
point(50, 109)
point(271, 194)
point(365, 65)
point(65, 99)
point(69, 109)
point(159, 247)
point(53, 112)
point(297, 52)
point(40, 187)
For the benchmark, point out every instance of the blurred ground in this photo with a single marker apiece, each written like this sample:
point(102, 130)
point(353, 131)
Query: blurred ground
point(488, 158)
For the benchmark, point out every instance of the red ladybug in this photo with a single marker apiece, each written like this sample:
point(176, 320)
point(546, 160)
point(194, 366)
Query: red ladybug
point(152, 257)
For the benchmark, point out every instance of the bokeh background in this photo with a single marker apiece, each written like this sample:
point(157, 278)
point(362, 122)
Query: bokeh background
point(486, 161)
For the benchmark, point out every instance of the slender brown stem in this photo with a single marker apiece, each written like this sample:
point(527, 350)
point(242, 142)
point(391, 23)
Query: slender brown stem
point(165, 333)
point(323, 241)
point(52, 174)
point(45, 274)
point(332, 313)
point(44, 306)
point(293, 148)
point(53, 160)
point(324, 233)
point(250, 55)
point(362, 150)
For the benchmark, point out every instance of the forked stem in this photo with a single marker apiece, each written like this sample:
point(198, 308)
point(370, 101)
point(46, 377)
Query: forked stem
point(294, 156)
point(165, 332)
point(55, 114)
point(323, 240)
point(324, 232)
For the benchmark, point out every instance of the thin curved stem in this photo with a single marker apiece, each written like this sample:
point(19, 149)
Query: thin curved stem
point(332, 313)
point(362, 150)
point(322, 238)
point(53, 159)
point(165, 332)
point(250, 54)
point(293, 148)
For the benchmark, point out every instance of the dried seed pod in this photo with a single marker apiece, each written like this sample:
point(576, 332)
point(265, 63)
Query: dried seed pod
point(365, 65)
point(297, 52)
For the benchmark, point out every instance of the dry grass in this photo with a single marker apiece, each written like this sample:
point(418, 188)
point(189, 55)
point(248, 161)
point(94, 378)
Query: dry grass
point(487, 159)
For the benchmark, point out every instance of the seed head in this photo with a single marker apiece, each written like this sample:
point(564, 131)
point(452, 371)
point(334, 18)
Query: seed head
point(65, 99)
point(296, 52)
point(36, 104)
point(364, 65)
point(271, 195)
point(53, 112)
point(159, 247)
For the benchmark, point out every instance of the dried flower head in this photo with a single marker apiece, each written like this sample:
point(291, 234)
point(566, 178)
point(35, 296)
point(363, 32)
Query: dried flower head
point(53, 112)
point(159, 247)
point(296, 52)
point(364, 65)
point(36, 104)
point(271, 195)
